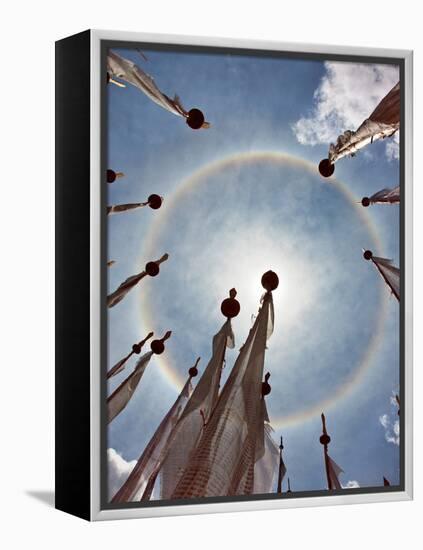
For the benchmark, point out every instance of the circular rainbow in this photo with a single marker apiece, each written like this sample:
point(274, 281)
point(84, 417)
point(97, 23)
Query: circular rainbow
point(185, 186)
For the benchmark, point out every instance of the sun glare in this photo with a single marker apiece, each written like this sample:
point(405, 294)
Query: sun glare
point(252, 256)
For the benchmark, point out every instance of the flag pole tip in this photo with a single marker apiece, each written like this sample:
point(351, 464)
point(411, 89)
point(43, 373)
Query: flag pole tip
point(368, 255)
point(195, 119)
point(193, 371)
point(136, 348)
point(155, 201)
point(157, 346)
point(326, 168)
point(365, 201)
point(152, 269)
point(266, 388)
point(111, 175)
point(230, 307)
point(270, 281)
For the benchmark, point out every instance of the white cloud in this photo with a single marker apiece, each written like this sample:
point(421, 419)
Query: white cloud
point(346, 96)
point(118, 470)
point(392, 148)
point(390, 424)
point(352, 484)
point(384, 420)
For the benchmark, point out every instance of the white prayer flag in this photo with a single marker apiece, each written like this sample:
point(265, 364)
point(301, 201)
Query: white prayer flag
point(152, 457)
point(118, 400)
point(389, 196)
point(223, 462)
point(119, 208)
point(196, 414)
point(334, 470)
point(128, 71)
point(383, 122)
point(119, 294)
point(389, 273)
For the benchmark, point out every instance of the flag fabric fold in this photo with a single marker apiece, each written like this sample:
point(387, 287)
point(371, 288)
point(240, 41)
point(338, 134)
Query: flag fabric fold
point(118, 208)
point(267, 458)
point(152, 457)
point(224, 459)
point(383, 122)
point(389, 273)
point(333, 472)
point(128, 71)
point(196, 413)
point(118, 367)
point(391, 196)
point(118, 400)
point(119, 294)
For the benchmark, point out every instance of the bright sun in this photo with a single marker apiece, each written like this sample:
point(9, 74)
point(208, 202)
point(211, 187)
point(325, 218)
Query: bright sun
point(252, 255)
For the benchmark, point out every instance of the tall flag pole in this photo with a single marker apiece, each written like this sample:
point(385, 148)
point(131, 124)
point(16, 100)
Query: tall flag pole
point(143, 475)
point(124, 69)
point(154, 201)
point(332, 469)
point(118, 400)
point(267, 450)
point(151, 268)
point(389, 273)
point(383, 122)
point(223, 461)
point(325, 440)
point(282, 468)
point(201, 405)
point(385, 196)
point(136, 348)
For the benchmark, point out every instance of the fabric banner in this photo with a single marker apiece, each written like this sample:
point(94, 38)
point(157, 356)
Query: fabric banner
point(334, 470)
point(118, 208)
point(196, 414)
point(391, 196)
point(390, 274)
point(223, 462)
point(383, 122)
point(119, 294)
point(152, 457)
point(123, 393)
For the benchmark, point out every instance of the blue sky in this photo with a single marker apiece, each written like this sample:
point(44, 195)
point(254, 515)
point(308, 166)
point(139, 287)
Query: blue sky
point(240, 221)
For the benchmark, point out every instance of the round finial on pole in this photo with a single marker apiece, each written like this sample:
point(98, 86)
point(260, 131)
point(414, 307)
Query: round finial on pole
point(193, 371)
point(365, 201)
point(136, 348)
point(326, 168)
point(155, 201)
point(152, 269)
point(266, 388)
point(324, 439)
point(270, 281)
point(230, 307)
point(157, 346)
point(368, 255)
point(195, 119)
point(111, 175)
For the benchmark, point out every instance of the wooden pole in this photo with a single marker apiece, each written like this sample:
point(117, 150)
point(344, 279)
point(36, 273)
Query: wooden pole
point(325, 440)
point(279, 490)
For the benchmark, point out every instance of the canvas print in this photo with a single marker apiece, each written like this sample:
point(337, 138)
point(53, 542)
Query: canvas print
point(253, 243)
